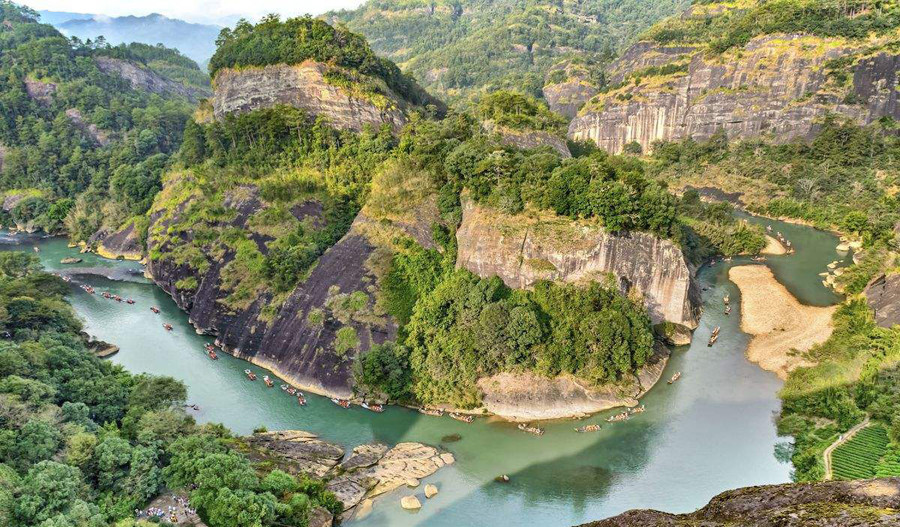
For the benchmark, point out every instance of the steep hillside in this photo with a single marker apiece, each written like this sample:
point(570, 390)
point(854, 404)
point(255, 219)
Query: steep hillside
point(460, 49)
point(752, 69)
point(85, 131)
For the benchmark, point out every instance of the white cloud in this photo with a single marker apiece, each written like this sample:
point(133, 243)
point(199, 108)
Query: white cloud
point(209, 11)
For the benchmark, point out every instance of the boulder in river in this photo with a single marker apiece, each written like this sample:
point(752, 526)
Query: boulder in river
point(410, 503)
point(70, 260)
point(431, 491)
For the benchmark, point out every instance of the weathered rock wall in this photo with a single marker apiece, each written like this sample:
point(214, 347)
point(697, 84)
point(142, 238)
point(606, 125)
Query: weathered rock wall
point(302, 86)
point(142, 78)
point(297, 350)
point(777, 87)
point(527, 139)
point(523, 249)
point(883, 297)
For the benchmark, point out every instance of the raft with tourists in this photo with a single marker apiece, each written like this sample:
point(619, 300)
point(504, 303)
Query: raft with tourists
point(531, 429)
point(462, 417)
point(154, 309)
point(434, 412)
point(300, 399)
point(343, 403)
point(268, 381)
point(675, 378)
point(250, 375)
point(588, 428)
point(167, 326)
point(714, 337)
point(377, 408)
point(637, 410)
point(621, 416)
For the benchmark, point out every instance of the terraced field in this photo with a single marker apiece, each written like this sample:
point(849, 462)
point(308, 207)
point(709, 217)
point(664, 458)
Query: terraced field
point(859, 457)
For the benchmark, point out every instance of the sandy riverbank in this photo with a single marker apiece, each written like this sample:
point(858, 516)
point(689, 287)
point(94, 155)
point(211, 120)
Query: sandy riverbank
point(773, 247)
point(782, 328)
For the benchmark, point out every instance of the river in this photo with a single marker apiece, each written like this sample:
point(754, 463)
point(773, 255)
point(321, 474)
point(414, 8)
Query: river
point(711, 431)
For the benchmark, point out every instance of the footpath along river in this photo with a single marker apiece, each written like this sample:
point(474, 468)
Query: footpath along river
point(711, 431)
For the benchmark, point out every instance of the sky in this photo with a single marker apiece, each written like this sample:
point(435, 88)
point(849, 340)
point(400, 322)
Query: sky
point(204, 11)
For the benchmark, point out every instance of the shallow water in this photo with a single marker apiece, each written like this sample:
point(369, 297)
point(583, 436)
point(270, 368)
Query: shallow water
point(711, 431)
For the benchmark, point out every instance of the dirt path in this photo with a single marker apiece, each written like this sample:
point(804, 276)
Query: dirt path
point(843, 439)
point(782, 328)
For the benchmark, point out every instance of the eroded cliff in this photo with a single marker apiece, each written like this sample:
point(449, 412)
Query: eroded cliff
point(306, 86)
point(293, 334)
point(778, 87)
point(143, 78)
point(529, 247)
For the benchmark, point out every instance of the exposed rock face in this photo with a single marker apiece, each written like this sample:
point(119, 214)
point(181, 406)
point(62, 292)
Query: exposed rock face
point(91, 130)
point(142, 78)
point(868, 503)
point(883, 297)
point(522, 250)
point(40, 91)
point(303, 86)
point(527, 139)
point(777, 87)
point(369, 471)
point(566, 98)
point(287, 343)
point(124, 243)
point(529, 397)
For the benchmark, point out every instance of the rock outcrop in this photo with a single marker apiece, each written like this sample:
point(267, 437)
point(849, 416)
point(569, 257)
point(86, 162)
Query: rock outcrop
point(529, 397)
point(866, 503)
point(527, 139)
point(368, 471)
point(777, 87)
point(526, 248)
point(285, 341)
point(567, 98)
point(101, 137)
point(123, 244)
point(40, 91)
point(143, 78)
point(883, 297)
point(304, 86)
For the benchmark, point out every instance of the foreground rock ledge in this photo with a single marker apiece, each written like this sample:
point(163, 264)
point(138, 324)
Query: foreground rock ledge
point(367, 471)
point(867, 503)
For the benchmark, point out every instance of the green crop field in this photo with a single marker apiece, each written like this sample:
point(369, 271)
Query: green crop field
point(859, 457)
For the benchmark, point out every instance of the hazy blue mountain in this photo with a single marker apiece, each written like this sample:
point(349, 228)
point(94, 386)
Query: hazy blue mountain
point(197, 41)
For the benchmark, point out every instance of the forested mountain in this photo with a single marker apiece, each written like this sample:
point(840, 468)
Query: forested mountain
point(458, 49)
point(85, 130)
point(197, 41)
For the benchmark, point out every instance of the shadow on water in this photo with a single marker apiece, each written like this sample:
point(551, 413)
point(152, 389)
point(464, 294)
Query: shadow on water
point(711, 431)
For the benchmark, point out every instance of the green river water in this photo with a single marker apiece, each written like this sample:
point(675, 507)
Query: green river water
point(711, 431)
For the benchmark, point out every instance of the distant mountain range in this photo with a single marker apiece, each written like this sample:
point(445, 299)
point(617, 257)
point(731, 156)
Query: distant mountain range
point(197, 41)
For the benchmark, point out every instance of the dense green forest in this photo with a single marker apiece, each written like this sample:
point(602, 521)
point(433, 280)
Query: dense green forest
point(458, 50)
point(85, 443)
point(84, 148)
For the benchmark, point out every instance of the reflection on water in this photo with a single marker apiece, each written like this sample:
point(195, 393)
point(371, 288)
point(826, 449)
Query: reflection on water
point(711, 431)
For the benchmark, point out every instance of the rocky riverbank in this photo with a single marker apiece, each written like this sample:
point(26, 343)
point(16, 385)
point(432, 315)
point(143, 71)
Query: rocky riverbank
point(782, 328)
point(357, 477)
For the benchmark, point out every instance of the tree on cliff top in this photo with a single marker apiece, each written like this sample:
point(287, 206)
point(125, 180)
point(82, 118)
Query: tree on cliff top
point(296, 40)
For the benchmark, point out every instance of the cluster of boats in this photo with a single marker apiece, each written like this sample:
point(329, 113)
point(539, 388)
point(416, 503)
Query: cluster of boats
point(437, 412)
point(211, 351)
point(106, 294)
point(294, 392)
point(781, 238)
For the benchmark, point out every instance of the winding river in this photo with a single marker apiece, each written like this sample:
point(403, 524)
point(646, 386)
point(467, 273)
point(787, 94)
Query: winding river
point(711, 431)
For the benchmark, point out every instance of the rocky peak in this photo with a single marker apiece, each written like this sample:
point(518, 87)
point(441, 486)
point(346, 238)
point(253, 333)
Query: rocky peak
point(304, 86)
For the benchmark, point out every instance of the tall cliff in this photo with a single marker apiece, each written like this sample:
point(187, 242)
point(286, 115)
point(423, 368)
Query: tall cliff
point(776, 86)
point(526, 248)
point(292, 335)
point(305, 86)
